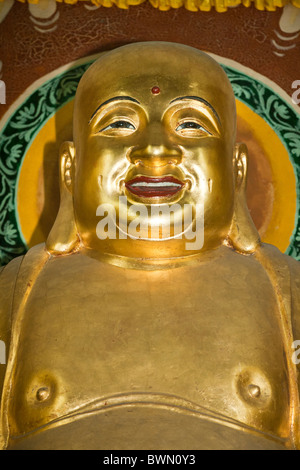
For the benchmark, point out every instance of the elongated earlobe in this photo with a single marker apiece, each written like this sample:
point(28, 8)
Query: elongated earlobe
point(63, 237)
point(243, 234)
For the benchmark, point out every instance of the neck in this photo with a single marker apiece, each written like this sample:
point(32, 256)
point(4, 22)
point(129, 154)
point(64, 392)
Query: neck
point(154, 259)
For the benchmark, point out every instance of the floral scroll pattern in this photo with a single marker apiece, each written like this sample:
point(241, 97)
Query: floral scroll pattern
point(15, 138)
point(24, 124)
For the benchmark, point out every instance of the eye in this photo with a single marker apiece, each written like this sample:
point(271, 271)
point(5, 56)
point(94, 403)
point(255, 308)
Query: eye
point(119, 125)
point(193, 126)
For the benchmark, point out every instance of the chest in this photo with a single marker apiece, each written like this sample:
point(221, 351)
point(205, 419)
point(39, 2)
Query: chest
point(208, 334)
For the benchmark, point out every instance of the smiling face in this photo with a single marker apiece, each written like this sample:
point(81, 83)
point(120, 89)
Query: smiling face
point(154, 122)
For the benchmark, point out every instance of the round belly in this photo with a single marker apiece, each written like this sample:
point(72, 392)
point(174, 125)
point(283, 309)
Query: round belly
point(146, 426)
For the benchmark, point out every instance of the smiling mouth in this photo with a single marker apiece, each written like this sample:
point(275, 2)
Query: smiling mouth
point(144, 186)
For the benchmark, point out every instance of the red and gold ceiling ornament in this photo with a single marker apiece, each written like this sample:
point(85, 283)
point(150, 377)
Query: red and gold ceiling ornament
point(191, 5)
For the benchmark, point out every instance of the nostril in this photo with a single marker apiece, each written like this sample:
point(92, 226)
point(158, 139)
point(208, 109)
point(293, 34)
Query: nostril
point(154, 156)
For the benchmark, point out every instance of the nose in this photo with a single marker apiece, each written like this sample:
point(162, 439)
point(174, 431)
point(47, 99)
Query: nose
point(155, 149)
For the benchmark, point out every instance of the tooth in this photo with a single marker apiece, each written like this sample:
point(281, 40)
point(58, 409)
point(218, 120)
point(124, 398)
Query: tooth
point(156, 184)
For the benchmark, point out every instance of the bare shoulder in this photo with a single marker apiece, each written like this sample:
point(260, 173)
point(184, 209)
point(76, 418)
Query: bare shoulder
point(8, 276)
point(31, 263)
point(294, 268)
point(295, 292)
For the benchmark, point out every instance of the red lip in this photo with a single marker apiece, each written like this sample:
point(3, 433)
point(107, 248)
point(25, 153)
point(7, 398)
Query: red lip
point(144, 186)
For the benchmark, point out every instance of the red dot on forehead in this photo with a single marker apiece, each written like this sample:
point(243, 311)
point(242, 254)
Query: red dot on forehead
point(155, 90)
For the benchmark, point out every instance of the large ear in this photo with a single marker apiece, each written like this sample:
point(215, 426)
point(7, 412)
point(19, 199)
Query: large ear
point(243, 234)
point(63, 237)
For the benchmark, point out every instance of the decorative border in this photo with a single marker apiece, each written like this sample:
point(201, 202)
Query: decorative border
point(15, 138)
point(26, 121)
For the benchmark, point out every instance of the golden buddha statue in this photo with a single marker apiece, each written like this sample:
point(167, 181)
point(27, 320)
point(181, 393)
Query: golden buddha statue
point(124, 335)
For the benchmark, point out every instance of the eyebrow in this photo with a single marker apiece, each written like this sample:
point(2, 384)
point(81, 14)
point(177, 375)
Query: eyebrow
point(202, 100)
point(116, 98)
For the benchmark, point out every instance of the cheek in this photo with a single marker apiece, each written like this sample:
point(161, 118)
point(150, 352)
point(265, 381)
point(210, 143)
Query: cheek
point(87, 187)
point(220, 196)
point(106, 158)
point(210, 168)
point(212, 161)
point(219, 204)
point(99, 173)
point(113, 171)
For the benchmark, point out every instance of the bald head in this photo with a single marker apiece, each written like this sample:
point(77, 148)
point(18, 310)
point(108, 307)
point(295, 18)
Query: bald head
point(155, 115)
point(177, 70)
